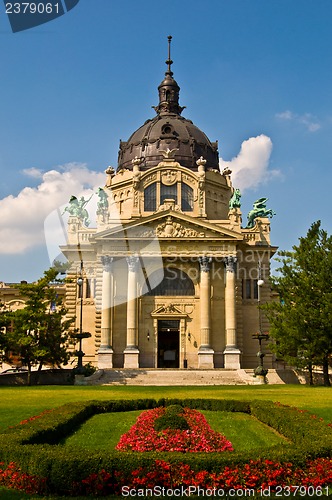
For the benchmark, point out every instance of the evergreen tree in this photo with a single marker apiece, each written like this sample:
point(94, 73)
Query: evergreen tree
point(301, 322)
point(39, 331)
point(5, 321)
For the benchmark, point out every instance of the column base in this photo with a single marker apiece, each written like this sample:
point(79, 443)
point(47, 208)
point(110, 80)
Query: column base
point(205, 358)
point(105, 358)
point(232, 358)
point(131, 358)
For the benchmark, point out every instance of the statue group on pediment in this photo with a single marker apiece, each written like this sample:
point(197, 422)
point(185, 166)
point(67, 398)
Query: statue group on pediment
point(176, 230)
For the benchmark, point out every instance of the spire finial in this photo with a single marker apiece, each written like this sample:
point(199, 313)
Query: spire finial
point(169, 90)
point(169, 61)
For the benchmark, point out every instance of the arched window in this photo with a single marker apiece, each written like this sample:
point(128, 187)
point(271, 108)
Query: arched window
point(168, 193)
point(174, 192)
point(187, 198)
point(174, 282)
point(150, 198)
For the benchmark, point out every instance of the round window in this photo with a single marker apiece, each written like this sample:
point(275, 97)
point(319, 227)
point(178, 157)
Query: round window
point(167, 129)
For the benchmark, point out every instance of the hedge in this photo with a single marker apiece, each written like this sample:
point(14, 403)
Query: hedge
point(36, 446)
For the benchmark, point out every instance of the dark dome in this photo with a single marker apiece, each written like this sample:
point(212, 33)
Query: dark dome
point(168, 130)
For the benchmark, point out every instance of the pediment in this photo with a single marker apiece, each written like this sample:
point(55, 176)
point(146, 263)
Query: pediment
point(169, 225)
point(168, 310)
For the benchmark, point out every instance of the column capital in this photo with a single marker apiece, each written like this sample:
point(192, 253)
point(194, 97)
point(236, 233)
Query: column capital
point(132, 262)
point(230, 263)
point(204, 263)
point(106, 261)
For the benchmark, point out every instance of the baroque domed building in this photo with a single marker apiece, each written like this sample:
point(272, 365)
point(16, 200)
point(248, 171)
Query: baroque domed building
point(170, 277)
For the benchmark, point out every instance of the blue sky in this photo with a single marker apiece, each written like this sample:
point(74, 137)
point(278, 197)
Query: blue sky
point(254, 74)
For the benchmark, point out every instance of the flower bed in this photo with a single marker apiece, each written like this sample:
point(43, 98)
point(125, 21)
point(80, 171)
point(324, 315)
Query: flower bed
point(13, 477)
point(28, 453)
point(257, 476)
point(199, 437)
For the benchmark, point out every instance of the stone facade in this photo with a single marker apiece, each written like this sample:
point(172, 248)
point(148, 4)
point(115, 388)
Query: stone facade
point(170, 287)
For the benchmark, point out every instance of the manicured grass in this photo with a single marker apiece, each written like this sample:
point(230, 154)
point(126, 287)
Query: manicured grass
point(243, 431)
point(103, 432)
point(18, 403)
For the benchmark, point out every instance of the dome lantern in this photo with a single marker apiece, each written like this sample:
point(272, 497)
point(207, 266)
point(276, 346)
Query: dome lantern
point(168, 130)
point(169, 90)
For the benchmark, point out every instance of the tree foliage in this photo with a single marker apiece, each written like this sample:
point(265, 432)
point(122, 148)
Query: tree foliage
point(39, 332)
point(301, 321)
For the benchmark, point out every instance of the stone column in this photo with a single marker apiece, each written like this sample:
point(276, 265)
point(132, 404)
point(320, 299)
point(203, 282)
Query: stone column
point(131, 352)
point(205, 353)
point(105, 353)
point(231, 352)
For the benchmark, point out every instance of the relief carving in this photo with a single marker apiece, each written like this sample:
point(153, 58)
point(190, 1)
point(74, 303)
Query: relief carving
point(169, 177)
point(171, 229)
point(144, 233)
point(150, 178)
point(187, 178)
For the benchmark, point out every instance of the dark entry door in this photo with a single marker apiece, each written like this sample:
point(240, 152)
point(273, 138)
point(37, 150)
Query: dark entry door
point(168, 343)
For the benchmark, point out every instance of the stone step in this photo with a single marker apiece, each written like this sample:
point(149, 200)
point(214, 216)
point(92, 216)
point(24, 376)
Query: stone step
point(186, 377)
point(166, 377)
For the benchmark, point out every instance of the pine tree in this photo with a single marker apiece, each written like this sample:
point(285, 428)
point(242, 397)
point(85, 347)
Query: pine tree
point(39, 331)
point(301, 322)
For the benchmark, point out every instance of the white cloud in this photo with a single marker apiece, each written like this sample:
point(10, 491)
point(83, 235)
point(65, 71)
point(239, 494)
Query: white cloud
point(250, 167)
point(307, 119)
point(33, 172)
point(22, 216)
point(285, 115)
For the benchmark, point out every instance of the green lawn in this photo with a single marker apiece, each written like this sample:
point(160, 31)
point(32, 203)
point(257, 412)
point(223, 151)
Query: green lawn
point(102, 432)
point(243, 431)
point(18, 403)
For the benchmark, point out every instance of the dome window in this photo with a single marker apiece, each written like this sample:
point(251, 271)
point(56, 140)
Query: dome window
point(187, 198)
point(150, 198)
point(167, 129)
point(168, 193)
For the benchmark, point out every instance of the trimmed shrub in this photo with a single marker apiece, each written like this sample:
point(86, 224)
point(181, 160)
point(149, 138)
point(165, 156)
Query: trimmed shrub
point(35, 444)
point(172, 419)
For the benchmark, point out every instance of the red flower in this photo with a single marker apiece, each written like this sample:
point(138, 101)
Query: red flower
point(199, 438)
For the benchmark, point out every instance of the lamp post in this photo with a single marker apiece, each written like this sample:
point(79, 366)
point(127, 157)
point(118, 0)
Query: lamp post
point(80, 335)
point(260, 336)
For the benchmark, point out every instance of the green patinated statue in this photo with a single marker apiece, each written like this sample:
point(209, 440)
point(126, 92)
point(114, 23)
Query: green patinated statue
point(102, 204)
point(76, 208)
point(235, 201)
point(259, 210)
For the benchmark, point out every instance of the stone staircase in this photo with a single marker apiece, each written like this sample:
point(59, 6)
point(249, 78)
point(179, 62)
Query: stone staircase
point(184, 377)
